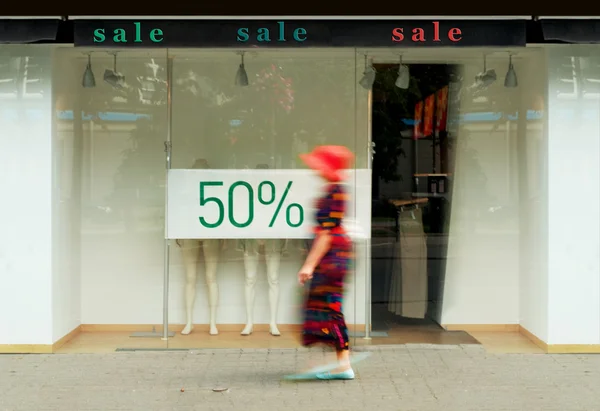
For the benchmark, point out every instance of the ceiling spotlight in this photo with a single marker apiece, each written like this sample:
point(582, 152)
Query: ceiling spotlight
point(88, 76)
point(241, 77)
point(113, 77)
point(403, 76)
point(486, 77)
point(368, 77)
point(511, 76)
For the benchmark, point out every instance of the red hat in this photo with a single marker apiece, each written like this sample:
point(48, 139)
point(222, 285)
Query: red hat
point(330, 161)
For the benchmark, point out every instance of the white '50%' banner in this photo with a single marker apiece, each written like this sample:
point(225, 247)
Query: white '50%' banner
point(257, 203)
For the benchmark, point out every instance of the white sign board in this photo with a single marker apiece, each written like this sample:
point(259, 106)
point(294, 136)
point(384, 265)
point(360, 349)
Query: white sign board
point(257, 203)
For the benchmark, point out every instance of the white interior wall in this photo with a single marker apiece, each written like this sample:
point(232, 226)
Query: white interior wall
point(533, 298)
point(482, 275)
point(121, 191)
point(66, 194)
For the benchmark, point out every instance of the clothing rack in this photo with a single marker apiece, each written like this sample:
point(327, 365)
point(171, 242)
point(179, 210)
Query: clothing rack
point(406, 205)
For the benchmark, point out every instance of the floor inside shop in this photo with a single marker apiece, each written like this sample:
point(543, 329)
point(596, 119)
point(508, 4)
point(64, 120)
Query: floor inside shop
point(120, 340)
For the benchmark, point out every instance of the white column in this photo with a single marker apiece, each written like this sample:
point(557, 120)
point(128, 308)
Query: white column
point(25, 208)
point(39, 272)
point(573, 202)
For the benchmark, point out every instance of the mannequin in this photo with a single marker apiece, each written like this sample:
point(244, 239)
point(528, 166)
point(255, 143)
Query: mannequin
point(273, 249)
point(190, 252)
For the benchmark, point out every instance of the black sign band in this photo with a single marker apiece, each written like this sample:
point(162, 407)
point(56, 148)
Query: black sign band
point(299, 33)
point(28, 31)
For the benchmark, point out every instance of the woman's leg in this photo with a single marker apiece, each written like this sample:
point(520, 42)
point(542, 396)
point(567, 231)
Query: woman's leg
point(342, 349)
point(343, 357)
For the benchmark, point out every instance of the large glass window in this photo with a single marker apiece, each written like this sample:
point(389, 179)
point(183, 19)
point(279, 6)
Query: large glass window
point(111, 121)
point(449, 215)
point(241, 120)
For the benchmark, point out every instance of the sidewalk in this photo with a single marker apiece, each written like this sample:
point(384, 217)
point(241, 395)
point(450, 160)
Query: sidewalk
point(397, 378)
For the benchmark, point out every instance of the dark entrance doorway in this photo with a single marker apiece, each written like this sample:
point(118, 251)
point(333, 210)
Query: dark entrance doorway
point(412, 177)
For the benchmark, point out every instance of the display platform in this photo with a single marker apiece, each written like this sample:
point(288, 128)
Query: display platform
point(98, 339)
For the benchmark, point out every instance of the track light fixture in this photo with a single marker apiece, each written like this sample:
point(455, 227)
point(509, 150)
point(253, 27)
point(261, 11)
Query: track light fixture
point(241, 77)
point(89, 80)
point(510, 80)
point(403, 79)
point(369, 75)
point(486, 77)
point(113, 77)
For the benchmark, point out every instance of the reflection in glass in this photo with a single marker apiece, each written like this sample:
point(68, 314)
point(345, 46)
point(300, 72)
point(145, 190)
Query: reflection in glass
point(114, 137)
point(281, 104)
point(450, 170)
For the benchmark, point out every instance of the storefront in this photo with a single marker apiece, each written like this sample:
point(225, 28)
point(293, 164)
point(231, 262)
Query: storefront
point(176, 197)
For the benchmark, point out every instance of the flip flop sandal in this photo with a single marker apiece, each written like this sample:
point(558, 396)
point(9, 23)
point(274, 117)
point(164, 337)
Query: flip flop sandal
point(313, 373)
point(344, 375)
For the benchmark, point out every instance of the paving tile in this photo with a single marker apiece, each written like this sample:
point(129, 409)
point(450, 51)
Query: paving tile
point(411, 377)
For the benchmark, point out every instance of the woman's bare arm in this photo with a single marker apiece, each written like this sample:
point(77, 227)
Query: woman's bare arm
point(318, 250)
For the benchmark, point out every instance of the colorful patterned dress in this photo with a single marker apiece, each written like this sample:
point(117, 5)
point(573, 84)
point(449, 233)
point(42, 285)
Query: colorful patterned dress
point(324, 321)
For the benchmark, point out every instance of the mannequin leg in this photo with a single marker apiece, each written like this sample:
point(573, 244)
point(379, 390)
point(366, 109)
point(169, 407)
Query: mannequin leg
point(211, 261)
point(251, 267)
point(273, 258)
point(189, 251)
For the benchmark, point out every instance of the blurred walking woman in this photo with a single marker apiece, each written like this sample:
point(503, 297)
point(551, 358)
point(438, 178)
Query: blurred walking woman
point(328, 262)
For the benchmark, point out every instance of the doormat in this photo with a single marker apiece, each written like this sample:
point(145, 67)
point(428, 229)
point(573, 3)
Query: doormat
point(361, 334)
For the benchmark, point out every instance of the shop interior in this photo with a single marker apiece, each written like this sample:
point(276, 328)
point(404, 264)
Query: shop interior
point(260, 109)
point(437, 122)
point(411, 187)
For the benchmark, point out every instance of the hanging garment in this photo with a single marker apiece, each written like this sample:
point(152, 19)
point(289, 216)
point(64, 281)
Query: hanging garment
point(408, 288)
